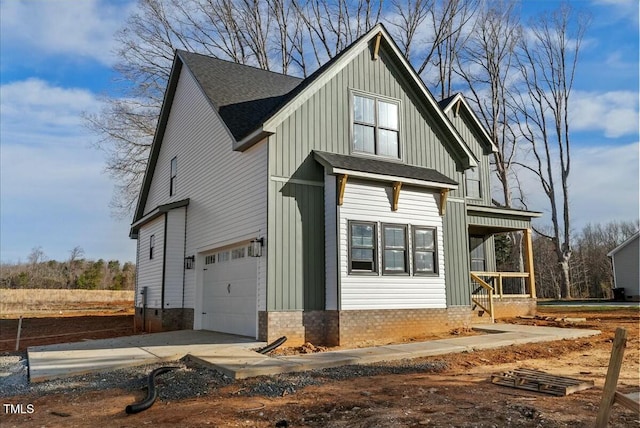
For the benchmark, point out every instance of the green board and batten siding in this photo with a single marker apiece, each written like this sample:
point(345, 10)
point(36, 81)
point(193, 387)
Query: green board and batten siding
point(295, 223)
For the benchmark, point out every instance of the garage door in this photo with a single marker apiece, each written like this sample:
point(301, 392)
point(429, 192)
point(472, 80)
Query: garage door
point(229, 292)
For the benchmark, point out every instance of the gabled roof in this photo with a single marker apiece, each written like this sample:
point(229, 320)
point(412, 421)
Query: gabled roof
point(457, 101)
point(383, 170)
point(242, 95)
point(252, 102)
point(624, 244)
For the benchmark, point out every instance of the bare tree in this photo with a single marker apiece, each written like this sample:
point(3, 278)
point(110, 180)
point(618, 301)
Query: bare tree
point(548, 59)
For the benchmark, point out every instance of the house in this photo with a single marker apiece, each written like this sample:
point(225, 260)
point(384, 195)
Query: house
point(624, 261)
point(346, 207)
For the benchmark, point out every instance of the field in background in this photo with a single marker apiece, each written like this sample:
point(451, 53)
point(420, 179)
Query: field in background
point(46, 302)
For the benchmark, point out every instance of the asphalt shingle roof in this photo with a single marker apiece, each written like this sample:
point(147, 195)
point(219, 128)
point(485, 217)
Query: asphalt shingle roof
point(243, 95)
point(379, 166)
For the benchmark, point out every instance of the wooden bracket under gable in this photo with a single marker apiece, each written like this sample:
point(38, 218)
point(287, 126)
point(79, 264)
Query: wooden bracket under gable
point(455, 113)
point(376, 46)
point(443, 200)
point(396, 195)
point(342, 184)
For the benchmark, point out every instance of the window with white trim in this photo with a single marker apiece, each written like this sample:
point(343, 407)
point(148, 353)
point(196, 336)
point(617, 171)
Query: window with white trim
point(362, 247)
point(394, 256)
point(375, 126)
point(425, 255)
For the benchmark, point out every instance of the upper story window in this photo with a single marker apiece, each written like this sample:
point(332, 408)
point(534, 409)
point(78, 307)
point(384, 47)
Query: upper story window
point(472, 177)
point(152, 246)
point(375, 126)
point(174, 176)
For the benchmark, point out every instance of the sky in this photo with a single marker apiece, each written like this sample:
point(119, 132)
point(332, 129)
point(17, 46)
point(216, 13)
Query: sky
point(56, 59)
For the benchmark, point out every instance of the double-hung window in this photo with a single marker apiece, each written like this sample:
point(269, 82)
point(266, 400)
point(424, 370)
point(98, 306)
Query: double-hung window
point(394, 257)
point(472, 177)
point(174, 176)
point(375, 126)
point(424, 251)
point(362, 246)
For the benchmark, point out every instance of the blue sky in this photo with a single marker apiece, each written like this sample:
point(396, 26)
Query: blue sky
point(56, 59)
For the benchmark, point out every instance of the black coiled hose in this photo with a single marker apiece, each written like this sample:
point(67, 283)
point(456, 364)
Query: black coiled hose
point(273, 345)
point(152, 394)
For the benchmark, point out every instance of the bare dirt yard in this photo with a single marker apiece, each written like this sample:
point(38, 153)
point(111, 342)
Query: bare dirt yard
point(446, 391)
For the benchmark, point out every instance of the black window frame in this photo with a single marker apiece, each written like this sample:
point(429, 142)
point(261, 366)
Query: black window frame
point(374, 270)
point(173, 176)
point(384, 269)
point(475, 180)
point(152, 246)
point(414, 250)
point(376, 125)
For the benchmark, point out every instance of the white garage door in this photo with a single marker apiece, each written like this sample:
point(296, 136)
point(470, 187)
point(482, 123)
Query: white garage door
point(229, 293)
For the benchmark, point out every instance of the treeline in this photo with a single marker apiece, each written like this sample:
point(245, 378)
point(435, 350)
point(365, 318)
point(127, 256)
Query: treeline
point(589, 267)
point(74, 273)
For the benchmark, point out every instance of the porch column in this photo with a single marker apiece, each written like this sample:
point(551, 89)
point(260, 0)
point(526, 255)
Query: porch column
point(528, 262)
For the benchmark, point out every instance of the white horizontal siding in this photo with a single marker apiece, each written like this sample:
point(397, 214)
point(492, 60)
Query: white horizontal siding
point(370, 201)
point(174, 259)
point(150, 270)
point(227, 189)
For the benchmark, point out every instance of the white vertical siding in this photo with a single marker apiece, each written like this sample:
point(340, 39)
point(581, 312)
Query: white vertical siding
point(227, 189)
point(150, 270)
point(370, 201)
point(330, 243)
point(174, 259)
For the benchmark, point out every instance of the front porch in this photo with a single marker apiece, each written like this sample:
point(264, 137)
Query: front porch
point(494, 293)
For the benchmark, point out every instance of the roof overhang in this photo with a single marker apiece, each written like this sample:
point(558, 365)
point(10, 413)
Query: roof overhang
point(454, 104)
point(155, 213)
point(382, 170)
point(624, 244)
point(484, 220)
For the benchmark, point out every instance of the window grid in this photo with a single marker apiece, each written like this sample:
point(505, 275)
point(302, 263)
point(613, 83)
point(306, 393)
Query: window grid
point(375, 126)
point(425, 251)
point(394, 257)
point(362, 247)
point(473, 188)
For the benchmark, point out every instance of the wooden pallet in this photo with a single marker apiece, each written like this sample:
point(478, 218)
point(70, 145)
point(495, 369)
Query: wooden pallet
point(534, 380)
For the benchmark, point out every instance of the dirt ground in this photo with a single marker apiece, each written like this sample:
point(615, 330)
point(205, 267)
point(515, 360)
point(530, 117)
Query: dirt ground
point(460, 396)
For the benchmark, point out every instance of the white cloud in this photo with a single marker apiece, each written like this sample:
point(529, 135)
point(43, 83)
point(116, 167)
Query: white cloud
point(615, 113)
point(53, 191)
point(82, 29)
point(603, 186)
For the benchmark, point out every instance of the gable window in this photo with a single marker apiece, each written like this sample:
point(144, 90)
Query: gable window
point(174, 176)
point(152, 245)
point(424, 251)
point(375, 126)
point(362, 247)
point(473, 183)
point(394, 257)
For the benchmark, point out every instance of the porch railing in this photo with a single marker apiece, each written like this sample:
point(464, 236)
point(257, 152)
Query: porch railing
point(488, 285)
point(482, 294)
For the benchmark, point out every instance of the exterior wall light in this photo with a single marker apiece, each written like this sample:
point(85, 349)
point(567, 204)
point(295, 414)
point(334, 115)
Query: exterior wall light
point(189, 262)
point(255, 250)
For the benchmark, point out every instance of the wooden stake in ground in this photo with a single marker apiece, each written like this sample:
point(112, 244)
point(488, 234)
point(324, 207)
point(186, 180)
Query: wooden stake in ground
point(19, 330)
point(613, 372)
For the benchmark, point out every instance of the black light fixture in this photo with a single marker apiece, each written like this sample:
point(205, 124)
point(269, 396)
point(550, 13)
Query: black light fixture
point(256, 247)
point(189, 262)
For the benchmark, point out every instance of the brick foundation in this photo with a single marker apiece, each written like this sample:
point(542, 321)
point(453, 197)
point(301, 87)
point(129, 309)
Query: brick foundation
point(157, 320)
point(333, 328)
point(510, 307)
